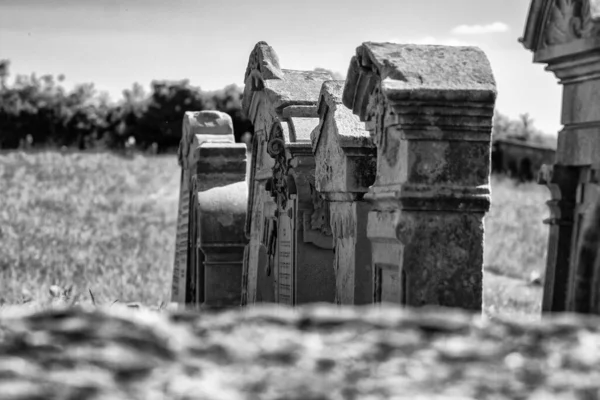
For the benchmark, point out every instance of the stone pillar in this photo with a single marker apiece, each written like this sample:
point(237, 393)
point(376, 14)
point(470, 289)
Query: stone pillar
point(345, 158)
point(289, 253)
point(222, 197)
point(564, 36)
point(213, 171)
point(429, 110)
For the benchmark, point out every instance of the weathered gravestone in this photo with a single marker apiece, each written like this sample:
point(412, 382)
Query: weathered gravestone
point(289, 255)
point(345, 159)
point(429, 110)
point(565, 35)
point(210, 227)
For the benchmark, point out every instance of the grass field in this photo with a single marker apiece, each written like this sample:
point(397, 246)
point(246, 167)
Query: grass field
point(106, 223)
point(97, 221)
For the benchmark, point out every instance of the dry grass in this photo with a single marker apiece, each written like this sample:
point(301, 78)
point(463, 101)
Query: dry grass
point(515, 237)
point(515, 249)
point(94, 221)
point(105, 223)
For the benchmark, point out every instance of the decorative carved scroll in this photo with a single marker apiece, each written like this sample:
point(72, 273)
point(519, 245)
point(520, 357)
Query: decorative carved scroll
point(569, 20)
point(278, 185)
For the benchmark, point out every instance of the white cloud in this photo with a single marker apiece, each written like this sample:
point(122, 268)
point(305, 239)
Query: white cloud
point(494, 27)
point(433, 40)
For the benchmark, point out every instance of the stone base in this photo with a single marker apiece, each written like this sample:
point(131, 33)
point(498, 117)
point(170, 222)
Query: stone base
point(428, 257)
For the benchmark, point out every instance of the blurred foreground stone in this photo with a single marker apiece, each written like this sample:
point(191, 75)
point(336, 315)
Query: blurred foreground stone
point(311, 352)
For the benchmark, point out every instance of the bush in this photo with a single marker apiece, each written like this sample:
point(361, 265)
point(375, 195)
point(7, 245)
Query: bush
point(39, 112)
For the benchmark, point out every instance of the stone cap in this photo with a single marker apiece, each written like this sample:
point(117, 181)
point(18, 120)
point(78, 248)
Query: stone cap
point(350, 130)
point(539, 14)
point(408, 72)
point(283, 87)
point(296, 88)
point(200, 127)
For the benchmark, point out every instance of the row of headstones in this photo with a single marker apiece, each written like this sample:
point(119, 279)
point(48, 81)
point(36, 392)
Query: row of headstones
point(359, 191)
point(375, 188)
point(410, 229)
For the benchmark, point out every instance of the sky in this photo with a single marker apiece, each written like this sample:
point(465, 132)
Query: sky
point(114, 43)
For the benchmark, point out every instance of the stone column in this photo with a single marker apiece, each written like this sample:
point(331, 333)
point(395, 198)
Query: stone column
point(345, 158)
point(208, 172)
point(429, 110)
point(564, 35)
point(290, 250)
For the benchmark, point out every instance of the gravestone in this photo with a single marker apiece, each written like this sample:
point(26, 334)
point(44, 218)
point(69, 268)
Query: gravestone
point(345, 158)
point(429, 110)
point(289, 255)
point(565, 35)
point(212, 205)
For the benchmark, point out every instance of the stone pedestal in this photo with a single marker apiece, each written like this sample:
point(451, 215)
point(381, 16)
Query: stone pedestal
point(345, 158)
point(429, 110)
point(213, 197)
point(290, 253)
point(565, 35)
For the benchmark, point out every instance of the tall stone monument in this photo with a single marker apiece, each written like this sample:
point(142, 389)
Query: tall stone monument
point(289, 255)
point(212, 208)
point(429, 111)
point(565, 35)
point(345, 159)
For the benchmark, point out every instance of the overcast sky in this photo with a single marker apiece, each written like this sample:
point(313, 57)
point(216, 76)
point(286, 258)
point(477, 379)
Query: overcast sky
point(114, 43)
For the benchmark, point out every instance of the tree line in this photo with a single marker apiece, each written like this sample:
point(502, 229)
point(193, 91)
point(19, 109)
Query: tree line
point(40, 112)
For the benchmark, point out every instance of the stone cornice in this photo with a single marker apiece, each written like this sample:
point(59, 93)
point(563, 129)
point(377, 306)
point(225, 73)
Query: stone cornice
point(350, 131)
point(384, 74)
point(432, 198)
point(282, 87)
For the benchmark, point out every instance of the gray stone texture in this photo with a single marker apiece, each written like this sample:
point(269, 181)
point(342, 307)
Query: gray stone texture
point(564, 35)
point(289, 254)
point(213, 197)
point(429, 111)
point(345, 168)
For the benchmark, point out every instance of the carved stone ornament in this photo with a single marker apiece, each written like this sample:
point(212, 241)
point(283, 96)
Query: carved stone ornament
point(377, 113)
point(569, 20)
point(263, 63)
point(319, 219)
point(316, 222)
point(377, 109)
point(276, 149)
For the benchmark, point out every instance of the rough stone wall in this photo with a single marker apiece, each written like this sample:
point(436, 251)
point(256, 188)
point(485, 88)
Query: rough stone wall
point(321, 352)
